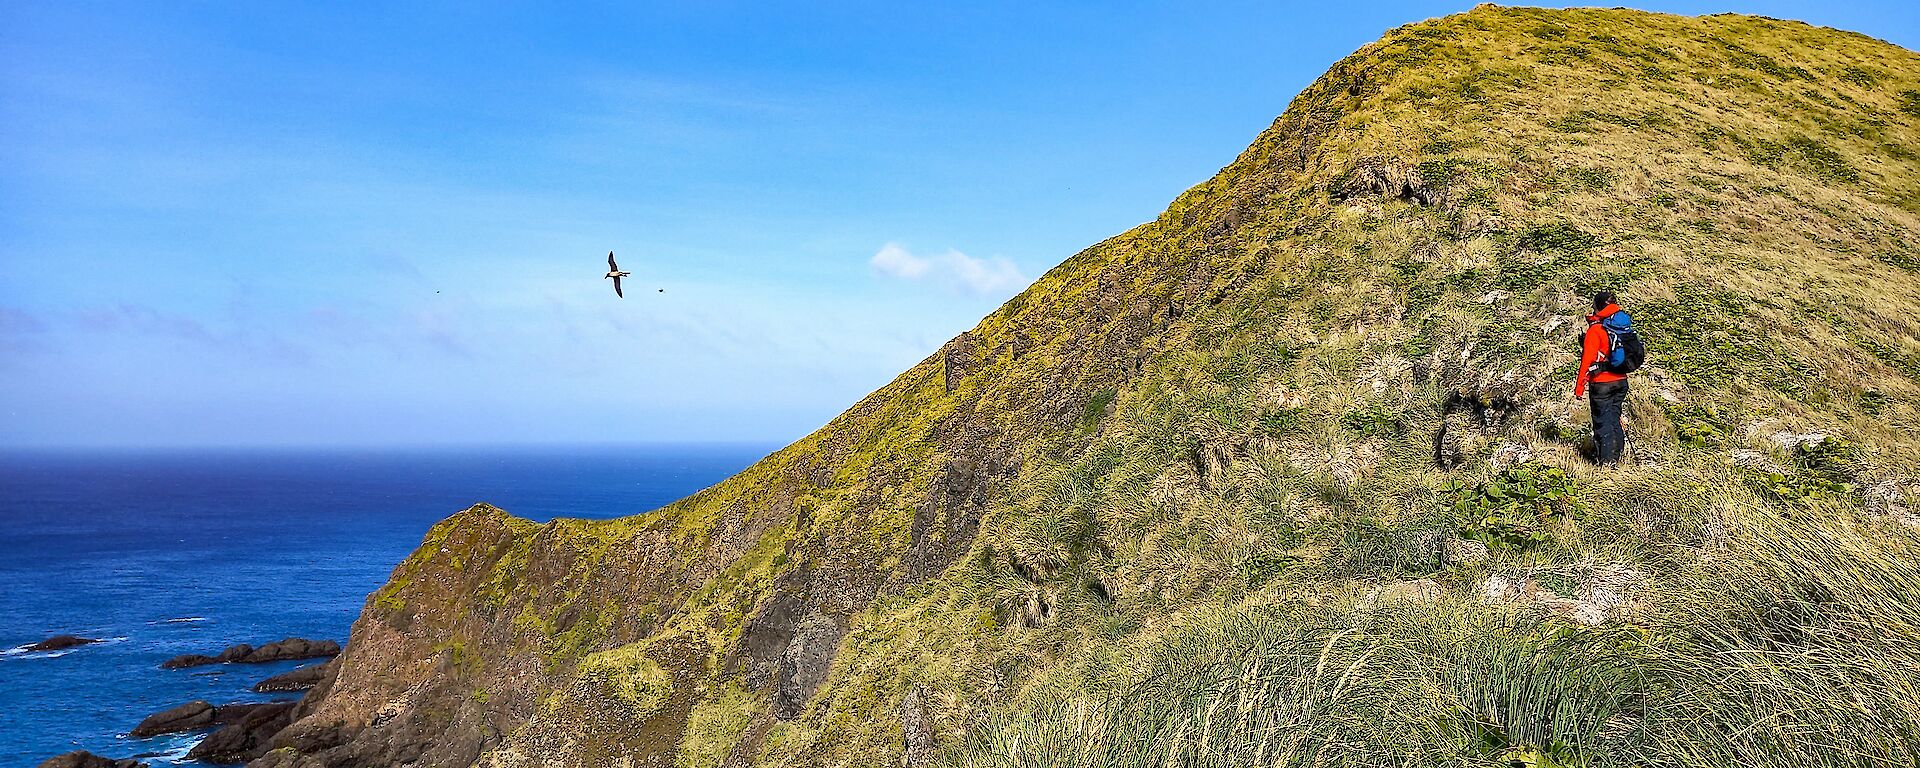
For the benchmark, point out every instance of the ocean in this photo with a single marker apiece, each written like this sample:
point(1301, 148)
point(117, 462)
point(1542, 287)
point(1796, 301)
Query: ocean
point(162, 553)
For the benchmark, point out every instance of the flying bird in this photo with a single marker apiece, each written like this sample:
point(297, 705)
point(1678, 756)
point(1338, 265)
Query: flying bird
point(613, 271)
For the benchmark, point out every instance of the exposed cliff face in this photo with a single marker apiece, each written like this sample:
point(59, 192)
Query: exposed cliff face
point(1319, 379)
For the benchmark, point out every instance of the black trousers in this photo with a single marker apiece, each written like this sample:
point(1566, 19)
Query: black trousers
point(1609, 438)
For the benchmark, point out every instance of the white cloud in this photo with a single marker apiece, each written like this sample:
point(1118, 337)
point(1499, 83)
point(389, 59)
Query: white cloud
point(994, 275)
point(986, 276)
point(894, 260)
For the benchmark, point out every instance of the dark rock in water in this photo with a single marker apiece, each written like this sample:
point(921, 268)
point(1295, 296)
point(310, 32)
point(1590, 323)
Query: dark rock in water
point(61, 643)
point(294, 680)
point(285, 650)
point(246, 738)
point(192, 716)
point(81, 758)
point(186, 717)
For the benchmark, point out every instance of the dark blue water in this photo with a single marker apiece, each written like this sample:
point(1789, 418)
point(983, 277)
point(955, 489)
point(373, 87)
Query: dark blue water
point(166, 553)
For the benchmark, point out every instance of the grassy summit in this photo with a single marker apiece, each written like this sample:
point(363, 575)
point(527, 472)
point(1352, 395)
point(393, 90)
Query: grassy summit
point(1293, 475)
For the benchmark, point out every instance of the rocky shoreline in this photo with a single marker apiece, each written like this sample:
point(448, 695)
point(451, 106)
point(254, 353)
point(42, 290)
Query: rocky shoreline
point(240, 731)
point(81, 758)
point(192, 716)
point(297, 679)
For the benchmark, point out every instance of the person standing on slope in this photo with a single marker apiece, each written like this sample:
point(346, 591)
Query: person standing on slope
point(1608, 352)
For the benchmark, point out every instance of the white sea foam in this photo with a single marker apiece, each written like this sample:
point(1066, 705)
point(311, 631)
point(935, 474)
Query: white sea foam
point(179, 755)
point(166, 748)
point(24, 652)
point(27, 652)
point(181, 620)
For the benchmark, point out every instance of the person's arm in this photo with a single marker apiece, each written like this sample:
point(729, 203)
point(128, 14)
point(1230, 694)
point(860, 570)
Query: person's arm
point(1591, 347)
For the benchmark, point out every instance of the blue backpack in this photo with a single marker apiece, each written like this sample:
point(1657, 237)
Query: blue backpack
point(1625, 352)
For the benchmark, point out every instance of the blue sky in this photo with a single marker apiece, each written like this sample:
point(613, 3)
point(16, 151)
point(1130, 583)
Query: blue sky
point(384, 223)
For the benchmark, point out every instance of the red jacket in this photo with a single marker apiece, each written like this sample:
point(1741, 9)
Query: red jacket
point(1592, 348)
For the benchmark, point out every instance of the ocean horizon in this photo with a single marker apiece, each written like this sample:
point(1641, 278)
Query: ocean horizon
point(159, 552)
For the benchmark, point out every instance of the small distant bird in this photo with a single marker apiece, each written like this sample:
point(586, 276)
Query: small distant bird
point(613, 271)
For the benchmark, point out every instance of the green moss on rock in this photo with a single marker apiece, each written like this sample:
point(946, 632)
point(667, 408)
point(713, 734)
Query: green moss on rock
point(627, 675)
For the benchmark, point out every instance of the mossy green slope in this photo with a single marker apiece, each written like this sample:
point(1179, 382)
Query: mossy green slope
point(1292, 473)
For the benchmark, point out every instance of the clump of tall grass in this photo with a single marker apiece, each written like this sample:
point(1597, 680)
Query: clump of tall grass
point(1799, 644)
point(1796, 643)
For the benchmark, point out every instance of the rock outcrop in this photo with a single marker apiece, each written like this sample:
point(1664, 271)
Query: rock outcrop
point(245, 738)
point(1385, 177)
point(61, 643)
point(193, 716)
point(290, 649)
point(299, 679)
point(84, 759)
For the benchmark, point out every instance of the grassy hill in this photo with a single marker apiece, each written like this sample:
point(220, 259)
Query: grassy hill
point(1292, 474)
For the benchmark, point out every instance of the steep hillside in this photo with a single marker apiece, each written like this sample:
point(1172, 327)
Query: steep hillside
point(1293, 474)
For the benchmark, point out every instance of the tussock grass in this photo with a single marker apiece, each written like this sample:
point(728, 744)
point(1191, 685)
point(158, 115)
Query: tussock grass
point(1797, 642)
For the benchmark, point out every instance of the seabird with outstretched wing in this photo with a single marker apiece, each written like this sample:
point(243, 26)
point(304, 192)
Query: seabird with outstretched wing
point(613, 271)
